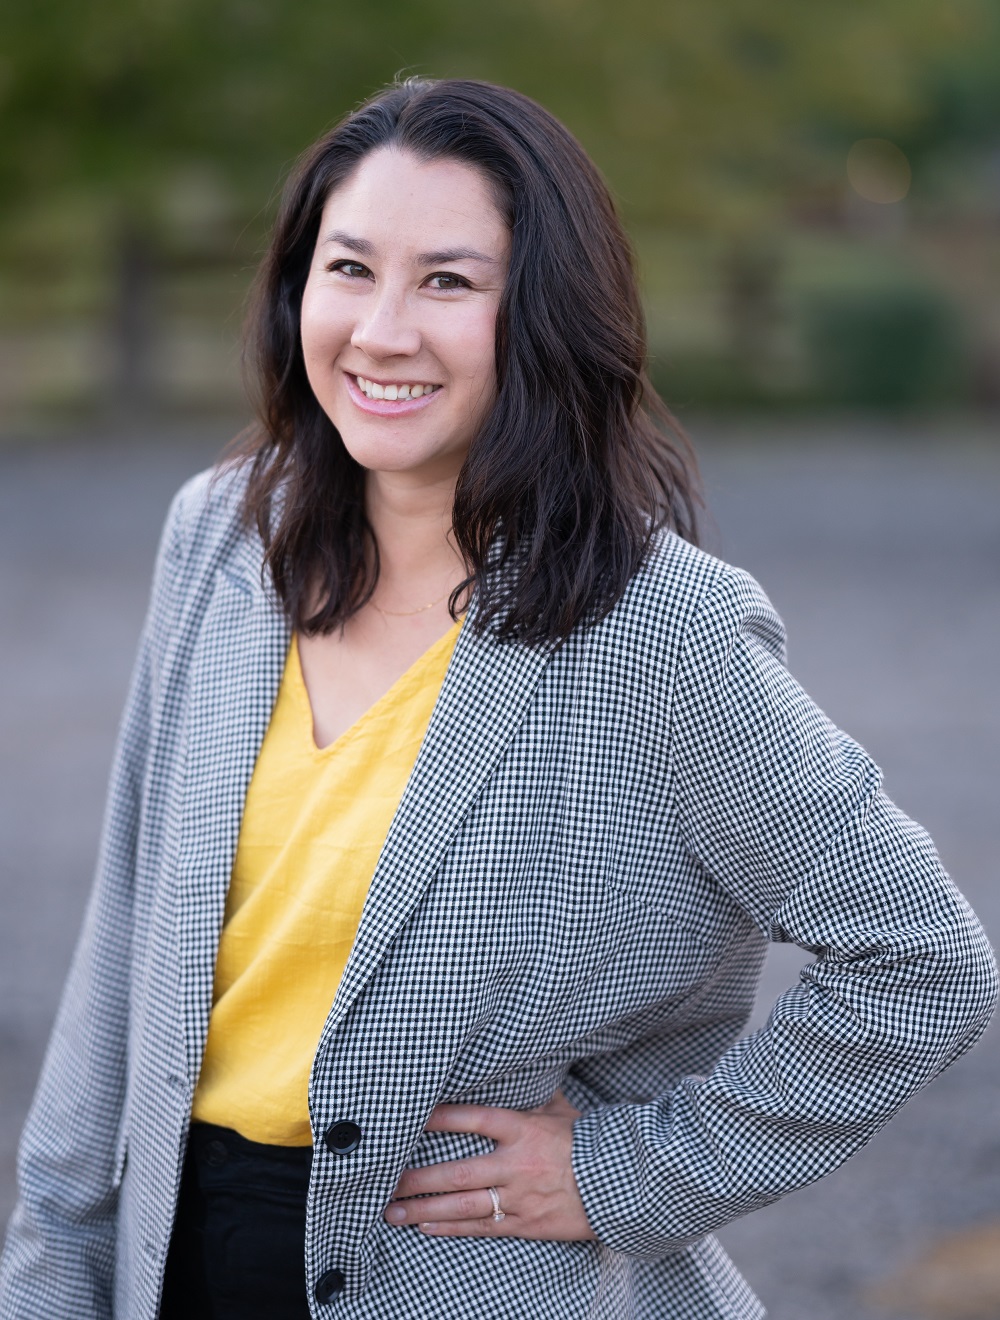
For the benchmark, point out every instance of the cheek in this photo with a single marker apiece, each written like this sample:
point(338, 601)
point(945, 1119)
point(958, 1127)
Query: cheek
point(474, 353)
point(323, 326)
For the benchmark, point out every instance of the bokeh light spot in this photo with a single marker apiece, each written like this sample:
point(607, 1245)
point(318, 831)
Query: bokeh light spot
point(878, 170)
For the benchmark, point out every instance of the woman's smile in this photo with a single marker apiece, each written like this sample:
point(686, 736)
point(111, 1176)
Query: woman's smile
point(389, 398)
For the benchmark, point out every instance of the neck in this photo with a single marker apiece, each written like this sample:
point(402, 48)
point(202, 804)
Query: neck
point(412, 525)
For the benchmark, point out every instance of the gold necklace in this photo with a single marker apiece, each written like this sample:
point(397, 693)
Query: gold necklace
point(408, 614)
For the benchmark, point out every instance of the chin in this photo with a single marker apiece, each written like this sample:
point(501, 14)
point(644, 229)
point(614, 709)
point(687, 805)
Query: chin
point(376, 458)
point(402, 455)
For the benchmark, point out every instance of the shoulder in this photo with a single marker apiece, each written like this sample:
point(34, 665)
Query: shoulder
point(206, 527)
point(205, 532)
point(684, 598)
point(208, 509)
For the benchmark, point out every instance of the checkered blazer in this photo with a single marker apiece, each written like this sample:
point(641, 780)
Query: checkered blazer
point(595, 844)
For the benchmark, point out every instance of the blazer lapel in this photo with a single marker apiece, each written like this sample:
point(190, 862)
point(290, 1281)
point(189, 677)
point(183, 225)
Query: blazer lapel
point(485, 694)
point(238, 663)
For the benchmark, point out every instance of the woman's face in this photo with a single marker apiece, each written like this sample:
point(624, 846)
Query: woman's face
point(399, 311)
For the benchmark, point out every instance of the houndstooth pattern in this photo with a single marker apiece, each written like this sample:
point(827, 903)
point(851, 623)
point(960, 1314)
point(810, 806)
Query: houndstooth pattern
point(593, 849)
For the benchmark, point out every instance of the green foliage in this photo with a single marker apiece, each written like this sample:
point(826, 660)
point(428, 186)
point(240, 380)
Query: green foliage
point(162, 129)
point(885, 346)
point(703, 112)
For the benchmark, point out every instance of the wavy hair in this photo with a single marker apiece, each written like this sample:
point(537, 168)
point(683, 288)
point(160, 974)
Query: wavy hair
point(577, 463)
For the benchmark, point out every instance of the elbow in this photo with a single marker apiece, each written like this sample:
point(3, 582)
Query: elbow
point(980, 979)
point(967, 990)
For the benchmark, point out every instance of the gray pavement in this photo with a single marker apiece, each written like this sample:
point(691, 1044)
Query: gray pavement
point(881, 548)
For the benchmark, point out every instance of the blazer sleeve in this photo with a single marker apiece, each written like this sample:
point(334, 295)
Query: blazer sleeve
point(787, 815)
point(60, 1247)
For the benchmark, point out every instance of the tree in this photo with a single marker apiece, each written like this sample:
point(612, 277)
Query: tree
point(707, 115)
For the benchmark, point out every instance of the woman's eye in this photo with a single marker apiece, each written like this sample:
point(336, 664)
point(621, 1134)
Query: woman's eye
point(352, 269)
point(447, 282)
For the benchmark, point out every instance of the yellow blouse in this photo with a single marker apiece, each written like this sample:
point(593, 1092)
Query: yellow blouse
point(313, 826)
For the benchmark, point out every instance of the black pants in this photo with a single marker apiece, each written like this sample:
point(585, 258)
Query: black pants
point(238, 1248)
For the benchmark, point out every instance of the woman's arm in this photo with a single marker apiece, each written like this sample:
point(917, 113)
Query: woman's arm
point(787, 815)
point(60, 1246)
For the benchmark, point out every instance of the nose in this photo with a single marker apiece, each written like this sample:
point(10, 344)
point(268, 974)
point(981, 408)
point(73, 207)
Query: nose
point(385, 328)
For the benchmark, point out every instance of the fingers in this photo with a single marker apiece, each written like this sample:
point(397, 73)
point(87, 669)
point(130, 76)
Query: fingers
point(530, 1169)
point(427, 1212)
point(483, 1120)
point(451, 1176)
point(498, 1125)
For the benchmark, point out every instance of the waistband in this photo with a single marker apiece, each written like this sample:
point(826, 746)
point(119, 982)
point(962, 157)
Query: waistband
point(217, 1147)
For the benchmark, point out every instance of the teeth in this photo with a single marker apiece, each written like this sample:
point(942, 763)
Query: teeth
point(392, 392)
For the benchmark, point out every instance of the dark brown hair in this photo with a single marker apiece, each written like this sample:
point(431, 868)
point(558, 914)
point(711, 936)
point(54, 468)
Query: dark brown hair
point(578, 461)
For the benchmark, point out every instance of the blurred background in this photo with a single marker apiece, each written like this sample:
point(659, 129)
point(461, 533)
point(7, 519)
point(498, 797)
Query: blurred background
point(814, 189)
point(814, 193)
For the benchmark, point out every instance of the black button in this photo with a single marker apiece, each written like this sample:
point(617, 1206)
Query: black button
point(215, 1153)
point(328, 1285)
point(342, 1138)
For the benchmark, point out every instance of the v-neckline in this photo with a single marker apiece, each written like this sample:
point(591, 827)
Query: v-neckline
point(406, 679)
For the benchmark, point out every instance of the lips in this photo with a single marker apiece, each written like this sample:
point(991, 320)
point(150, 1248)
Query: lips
point(388, 407)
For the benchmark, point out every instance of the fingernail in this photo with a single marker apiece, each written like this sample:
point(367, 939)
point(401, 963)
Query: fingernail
point(428, 1228)
point(395, 1214)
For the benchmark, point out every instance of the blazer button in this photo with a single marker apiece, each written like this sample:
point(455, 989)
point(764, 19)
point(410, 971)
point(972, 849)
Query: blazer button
point(342, 1138)
point(328, 1285)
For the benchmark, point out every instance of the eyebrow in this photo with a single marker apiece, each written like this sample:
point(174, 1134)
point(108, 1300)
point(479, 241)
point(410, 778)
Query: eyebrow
point(366, 249)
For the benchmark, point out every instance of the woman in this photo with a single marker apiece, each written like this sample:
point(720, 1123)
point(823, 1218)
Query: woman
point(441, 718)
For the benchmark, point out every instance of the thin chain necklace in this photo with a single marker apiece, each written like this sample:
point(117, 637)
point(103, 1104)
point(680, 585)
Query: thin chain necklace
point(408, 614)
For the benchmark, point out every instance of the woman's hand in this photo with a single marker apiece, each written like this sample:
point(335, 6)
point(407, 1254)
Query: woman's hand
point(530, 1171)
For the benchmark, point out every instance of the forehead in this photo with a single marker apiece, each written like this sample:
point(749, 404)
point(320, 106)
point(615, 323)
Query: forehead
point(396, 201)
